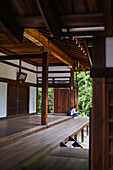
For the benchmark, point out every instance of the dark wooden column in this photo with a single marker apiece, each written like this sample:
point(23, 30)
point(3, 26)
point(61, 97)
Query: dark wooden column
point(37, 91)
point(77, 97)
point(98, 108)
point(44, 90)
point(72, 92)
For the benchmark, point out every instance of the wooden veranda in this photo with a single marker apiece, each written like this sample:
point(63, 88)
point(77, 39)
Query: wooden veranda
point(44, 33)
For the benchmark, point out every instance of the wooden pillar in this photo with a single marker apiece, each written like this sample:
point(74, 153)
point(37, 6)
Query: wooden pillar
point(37, 91)
point(76, 92)
point(44, 90)
point(72, 92)
point(87, 130)
point(82, 135)
point(75, 137)
point(20, 65)
point(98, 108)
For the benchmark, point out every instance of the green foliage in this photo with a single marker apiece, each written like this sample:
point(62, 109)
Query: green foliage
point(50, 98)
point(85, 92)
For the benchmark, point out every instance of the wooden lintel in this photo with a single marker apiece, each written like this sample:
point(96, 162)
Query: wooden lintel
point(57, 85)
point(78, 33)
point(82, 20)
point(18, 57)
point(101, 72)
point(34, 35)
point(50, 16)
point(66, 20)
point(8, 26)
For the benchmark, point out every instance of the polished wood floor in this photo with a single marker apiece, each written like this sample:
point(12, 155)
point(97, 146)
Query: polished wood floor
point(11, 126)
point(65, 159)
point(29, 151)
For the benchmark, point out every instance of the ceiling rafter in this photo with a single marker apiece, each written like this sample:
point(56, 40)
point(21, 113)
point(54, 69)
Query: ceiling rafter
point(8, 26)
point(50, 16)
point(34, 35)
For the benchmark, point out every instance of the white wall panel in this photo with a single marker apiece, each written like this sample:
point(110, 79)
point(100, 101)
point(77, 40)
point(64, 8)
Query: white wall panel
point(3, 99)
point(109, 52)
point(32, 102)
point(7, 71)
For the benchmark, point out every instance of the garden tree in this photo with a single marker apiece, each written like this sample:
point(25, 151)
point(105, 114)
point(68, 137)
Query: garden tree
point(50, 98)
point(85, 92)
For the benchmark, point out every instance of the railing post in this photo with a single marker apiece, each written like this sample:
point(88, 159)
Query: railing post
point(82, 135)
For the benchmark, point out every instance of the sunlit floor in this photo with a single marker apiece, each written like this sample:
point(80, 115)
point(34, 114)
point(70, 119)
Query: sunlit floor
point(13, 125)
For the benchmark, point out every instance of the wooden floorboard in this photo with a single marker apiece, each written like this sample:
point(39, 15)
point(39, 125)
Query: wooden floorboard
point(71, 152)
point(18, 124)
point(32, 149)
point(65, 159)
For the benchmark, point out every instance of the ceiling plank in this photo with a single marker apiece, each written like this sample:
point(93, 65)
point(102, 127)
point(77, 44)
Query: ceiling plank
point(107, 11)
point(82, 20)
point(8, 26)
point(30, 21)
point(50, 16)
point(66, 20)
point(35, 36)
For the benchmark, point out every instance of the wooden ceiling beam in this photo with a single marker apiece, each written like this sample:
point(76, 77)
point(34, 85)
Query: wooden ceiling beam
point(50, 16)
point(107, 11)
point(82, 20)
point(8, 26)
point(34, 35)
point(66, 20)
point(19, 57)
point(84, 34)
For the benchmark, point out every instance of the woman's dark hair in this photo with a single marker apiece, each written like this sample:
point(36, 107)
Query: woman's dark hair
point(74, 106)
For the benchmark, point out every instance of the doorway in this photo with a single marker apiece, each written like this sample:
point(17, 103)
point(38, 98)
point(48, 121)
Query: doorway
point(18, 97)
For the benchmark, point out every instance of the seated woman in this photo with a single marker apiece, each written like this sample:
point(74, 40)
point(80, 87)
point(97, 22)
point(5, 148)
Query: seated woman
point(74, 112)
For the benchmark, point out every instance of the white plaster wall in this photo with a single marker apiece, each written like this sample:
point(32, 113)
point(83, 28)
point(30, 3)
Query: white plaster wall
point(109, 52)
point(3, 99)
point(7, 71)
point(10, 72)
point(32, 102)
point(31, 77)
point(30, 66)
point(13, 61)
point(56, 68)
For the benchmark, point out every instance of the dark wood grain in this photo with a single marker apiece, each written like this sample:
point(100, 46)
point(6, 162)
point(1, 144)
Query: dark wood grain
point(31, 150)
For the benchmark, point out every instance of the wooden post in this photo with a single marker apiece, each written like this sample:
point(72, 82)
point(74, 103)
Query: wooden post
point(75, 137)
point(37, 91)
point(76, 92)
point(82, 135)
point(72, 97)
point(87, 129)
point(20, 65)
point(44, 90)
point(98, 109)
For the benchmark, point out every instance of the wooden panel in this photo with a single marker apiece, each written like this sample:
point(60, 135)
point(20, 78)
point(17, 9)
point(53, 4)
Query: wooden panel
point(98, 109)
point(17, 99)
point(61, 100)
point(12, 99)
point(22, 100)
point(98, 124)
point(109, 126)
